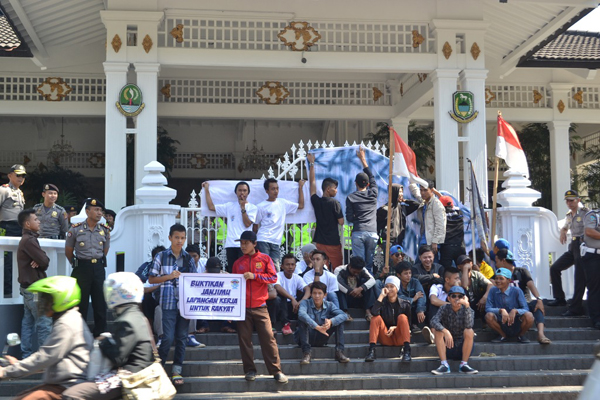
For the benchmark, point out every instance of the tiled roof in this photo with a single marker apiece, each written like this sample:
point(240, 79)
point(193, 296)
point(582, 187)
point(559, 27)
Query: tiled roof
point(571, 45)
point(8, 37)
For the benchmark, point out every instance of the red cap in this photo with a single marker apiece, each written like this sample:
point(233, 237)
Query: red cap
point(447, 201)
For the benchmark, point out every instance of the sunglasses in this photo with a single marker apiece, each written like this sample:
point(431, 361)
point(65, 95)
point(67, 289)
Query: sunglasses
point(457, 296)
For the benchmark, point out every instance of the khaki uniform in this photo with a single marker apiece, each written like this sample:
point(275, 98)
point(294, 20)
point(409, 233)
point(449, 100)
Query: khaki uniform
point(54, 222)
point(12, 202)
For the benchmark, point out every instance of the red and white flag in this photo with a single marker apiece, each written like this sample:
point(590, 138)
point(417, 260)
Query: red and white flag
point(405, 161)
point(509, 148)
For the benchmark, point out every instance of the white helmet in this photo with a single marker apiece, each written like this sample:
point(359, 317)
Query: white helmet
point(123, 288)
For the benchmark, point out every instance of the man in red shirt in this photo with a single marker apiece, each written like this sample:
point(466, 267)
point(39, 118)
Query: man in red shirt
point(259, 271)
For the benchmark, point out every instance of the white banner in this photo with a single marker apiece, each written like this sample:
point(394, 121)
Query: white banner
point(212, 296)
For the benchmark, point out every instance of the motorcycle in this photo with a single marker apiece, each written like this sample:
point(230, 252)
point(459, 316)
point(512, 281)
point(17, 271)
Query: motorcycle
point(12, 339)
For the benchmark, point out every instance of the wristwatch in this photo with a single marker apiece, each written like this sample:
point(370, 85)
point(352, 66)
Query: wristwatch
point(243, 211)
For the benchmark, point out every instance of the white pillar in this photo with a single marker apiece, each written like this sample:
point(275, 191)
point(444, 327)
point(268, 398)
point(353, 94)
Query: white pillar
point(446, 131)
point(147, 120)
point(401, 126)
point(560, 164)
point(115, 178)
point(475, 148)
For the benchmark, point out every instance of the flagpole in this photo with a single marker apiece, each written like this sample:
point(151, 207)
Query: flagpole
point(474, 257)
point(389, 203)
point(495, 196)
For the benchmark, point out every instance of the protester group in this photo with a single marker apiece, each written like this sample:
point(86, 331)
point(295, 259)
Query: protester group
point(308, 294)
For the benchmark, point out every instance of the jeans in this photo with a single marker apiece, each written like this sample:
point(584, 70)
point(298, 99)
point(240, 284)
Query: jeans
point(175, 328)
point(332, 297)
point(363, 245)
point(280, 310)
point(307, 337)
point(365, 302)
point(31, 323)
point(272, 250)
point(449, 254)
point(233, 253)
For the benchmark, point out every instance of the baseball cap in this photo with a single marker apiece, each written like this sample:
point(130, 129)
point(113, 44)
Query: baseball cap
point(308, 248)
point(247, 235)
point(463, 259)
point(362, 179)
point(213, 265)
point(396, 249)
point(447, 201)
point(456, 289)
point(502, 244)
point(503, 272)
point(509, 256)
point(571, 194)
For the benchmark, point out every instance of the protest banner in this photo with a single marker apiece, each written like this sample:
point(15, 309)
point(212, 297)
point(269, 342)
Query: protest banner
point(212, 296)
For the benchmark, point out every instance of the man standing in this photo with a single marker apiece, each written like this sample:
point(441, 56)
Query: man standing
point(86, 247)
point(240, 217)
point(361, 210)
point(270, 220)
point(33, 263)
point(328, 213)
point(454, 335)
point(454, 242)
point(591, 264)
point(12, 203)
point(54, 222)
point(574, 222)
point(258, 271)
point(431, 214)
point(401, 208)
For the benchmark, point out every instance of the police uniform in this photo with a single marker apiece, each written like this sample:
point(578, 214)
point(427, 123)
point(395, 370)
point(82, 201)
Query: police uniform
point(89, 265)
point(590, 260)
point(572, 256)
point(12, 202)
point(54, 222)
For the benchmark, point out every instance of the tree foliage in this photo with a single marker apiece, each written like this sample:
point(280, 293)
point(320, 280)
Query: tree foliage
point(73, 185)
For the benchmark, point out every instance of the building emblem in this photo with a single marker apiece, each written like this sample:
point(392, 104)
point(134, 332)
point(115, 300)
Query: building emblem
point(130, 100)
point(463, 109)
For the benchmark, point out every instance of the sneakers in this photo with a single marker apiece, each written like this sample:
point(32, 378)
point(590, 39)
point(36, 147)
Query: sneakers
point(340, 357)
point(192, 342)
point(523, 339)
point(159, 342)
point(441, 370)
point(371, 356)
point(349, 317)
point(305, 359)
point(500, 339)
point(280, 377)
point(466, 369)
point(415, 330)
point(405, 354)
point(428, 335)
point(250, 376)
point(287, 329)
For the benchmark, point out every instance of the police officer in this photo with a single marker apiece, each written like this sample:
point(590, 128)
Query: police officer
point(54, 222)
point(590, 260)
point(71, 212)
point(12, 202)
point(86, 247)
point(574, 222)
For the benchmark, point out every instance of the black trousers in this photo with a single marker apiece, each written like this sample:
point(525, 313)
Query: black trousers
point(233, 253)
point(90, 278)
point(12, 228)
point(591, 268)
point(570, 257)
point(449, 253)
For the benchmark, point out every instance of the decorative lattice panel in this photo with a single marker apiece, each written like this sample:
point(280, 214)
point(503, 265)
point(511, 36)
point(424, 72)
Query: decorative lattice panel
point(585, 97)
point(24, 88)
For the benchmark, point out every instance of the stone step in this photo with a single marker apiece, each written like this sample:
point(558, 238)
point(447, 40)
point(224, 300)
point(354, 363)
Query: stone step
point(388, 381)
point(387, 365)
point(360, 350)
point(513, 393)
point(362, 336)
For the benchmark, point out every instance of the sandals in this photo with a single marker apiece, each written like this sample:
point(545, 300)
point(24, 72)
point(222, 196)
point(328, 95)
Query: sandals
point(228, 329)
point(544, 340)
point(177, 380)
point(202, 330)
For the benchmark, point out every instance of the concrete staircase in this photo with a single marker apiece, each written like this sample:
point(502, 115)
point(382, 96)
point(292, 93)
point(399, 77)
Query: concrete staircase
point(516, 372)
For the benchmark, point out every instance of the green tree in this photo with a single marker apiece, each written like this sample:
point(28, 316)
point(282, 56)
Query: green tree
point(420, 140)
point(72, 185)
point(590, 175)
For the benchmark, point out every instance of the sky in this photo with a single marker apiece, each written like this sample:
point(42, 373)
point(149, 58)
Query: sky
point(590, 22)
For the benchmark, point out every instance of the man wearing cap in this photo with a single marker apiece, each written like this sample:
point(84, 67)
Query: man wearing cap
point(507, 312)
point(258, 271)
point(591, 264)
point(305, 264)
point(390, 324)
point(109, 216)
point(573, 222)
point(86, 246)
point(361, 210)
point(12, 203)
point(499, 245)
point(522, 279)
point(475, 284)
point(454, 242)
point(396, 256)
point(431, 215)
point(438, 297)
point(453, 330)
point(71, 212)
point(53, 218)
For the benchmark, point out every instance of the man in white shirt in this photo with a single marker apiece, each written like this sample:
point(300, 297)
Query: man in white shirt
point(240, 217)
point(305, 264)
point(320, 274)
point(438, 296)
point(270, 221)
point(289, 284)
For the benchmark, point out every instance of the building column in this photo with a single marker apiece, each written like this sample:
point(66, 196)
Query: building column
point(475, 147)
point(401, 126)
point(147, 120)
point(446, 131)
point(115, 177)
point(560, 164)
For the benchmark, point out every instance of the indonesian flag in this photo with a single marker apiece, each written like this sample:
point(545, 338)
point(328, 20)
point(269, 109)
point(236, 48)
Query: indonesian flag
point(509, 148)
point(405, 161)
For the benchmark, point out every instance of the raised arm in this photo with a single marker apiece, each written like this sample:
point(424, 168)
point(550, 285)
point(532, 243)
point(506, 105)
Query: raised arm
point(311, 175)
point(209, 202)
point(301, 194)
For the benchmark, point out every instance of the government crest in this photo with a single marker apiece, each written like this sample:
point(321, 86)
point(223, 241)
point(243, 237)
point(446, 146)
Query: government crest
point(130, 100)
point(463, 107)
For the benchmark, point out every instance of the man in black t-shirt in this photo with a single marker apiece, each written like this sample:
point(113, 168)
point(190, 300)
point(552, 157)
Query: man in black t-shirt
point(328, 213)
point(522, 279)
